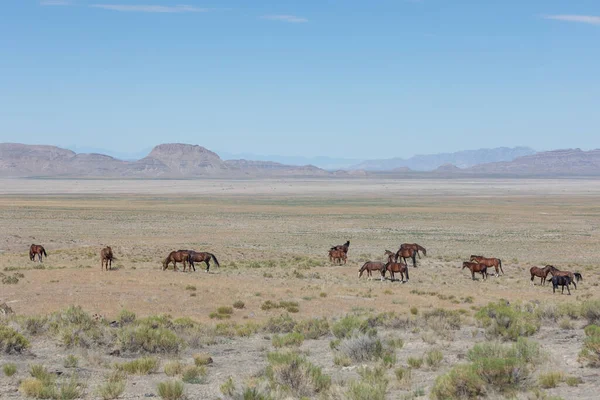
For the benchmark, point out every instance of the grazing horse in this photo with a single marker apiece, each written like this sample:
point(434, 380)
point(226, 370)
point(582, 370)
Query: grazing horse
point(174, 257)
point(36, 249)
point(572, 275)
point(344, 247)
point(476, 267)
point(106, 257)
point(370, 266)
point(490, 262)
point(406, 253)
point(394, 267)
point(202, 257)
point(541, 273)
point(563, 281)
point(337, 256)
point(415, 247)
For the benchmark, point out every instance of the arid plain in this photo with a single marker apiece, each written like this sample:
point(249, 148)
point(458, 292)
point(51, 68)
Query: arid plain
point(271, 238)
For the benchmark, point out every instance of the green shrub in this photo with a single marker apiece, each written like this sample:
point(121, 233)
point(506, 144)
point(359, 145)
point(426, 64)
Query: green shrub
point(68, 389)
point(591, 311)
point(283, 323)
point(361, 348)
point(12, 341)
point(415, 362)
point(111, 389)
point(573, 380)
point(228, 387)
point(9, 369)
point(126, 317)
point(194, 374)
point(146, 338)
point(313, 328)
point(289, 306)
point(141, 366)
point(508, 322)
point(76, 328)
point(292, 339)
point(292, 373)
point(202, 359)
point(461, 382)
point(371, 386)
point(433, 358)
point(239, 304)
point(173, 368)
point(550, 379)
point(348, 325)
point(171, 390)
point(34, 325)
point(71, 361)
point(590, 352)
point(404, 375)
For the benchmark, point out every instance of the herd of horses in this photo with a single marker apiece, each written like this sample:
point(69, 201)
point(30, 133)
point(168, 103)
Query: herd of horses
point(396, 263)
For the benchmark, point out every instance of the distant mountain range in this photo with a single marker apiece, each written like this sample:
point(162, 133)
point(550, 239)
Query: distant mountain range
point(175, 160)
point(461, 159)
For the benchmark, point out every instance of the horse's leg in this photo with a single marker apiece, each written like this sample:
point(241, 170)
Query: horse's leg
point(473, 275)
point(574, 284)
point(568, 290)
point(207, 266)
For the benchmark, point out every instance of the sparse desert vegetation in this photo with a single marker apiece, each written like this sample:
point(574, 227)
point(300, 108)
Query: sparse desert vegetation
point(277, 320)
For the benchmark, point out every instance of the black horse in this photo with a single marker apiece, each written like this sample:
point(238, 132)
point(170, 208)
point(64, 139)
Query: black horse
point(561, 281)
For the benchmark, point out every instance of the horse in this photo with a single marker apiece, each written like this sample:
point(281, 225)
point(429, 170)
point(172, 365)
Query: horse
point(394, 267)
point(370, 266)
point(344, 247)
point(337, 255)
point(405, 253)
point(563, 281)
point(490, 262)
point(541, 273)
point(476, 267)
point(174, 257)
point(572, 275)
point(36, 249)
point(202, 257)
point(106, 257)
point(415, 247)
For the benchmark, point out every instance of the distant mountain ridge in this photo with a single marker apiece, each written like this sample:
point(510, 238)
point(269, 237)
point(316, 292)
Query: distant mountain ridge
point(460, 159)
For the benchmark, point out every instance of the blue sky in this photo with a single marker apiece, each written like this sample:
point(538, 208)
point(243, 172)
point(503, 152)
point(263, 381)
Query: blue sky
point(344, 78)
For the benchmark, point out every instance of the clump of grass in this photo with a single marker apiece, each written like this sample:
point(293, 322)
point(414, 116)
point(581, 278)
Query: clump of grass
point(113, 387)
point(403, 375)
point(590, 352)
point(294, 374)
point(573, 380)
point(414, 362)
point(313, 328)
point(461, 382)
point(550, 379)
point(202, 359)
point(289, 306)
point(76, 328)
point(414, 310)
point(239, 304)
point(151, 335)
point(228, 387)
point(323, 294)
point(292, 339)
point(10, 280)
point(194, 374)
point(362, 347)
point(141, 366)
point(126, 317)
point(371, 386)
point(348, 325)
point(190, 287)
point(34, 325)
point(433, 358)
point(566, 323)
point(173, 368)
point(171, 390)
point(71, 361)
point(43, 385)
point(507, 321)
point(12, 341)
point(222, 313)
point(9, 369)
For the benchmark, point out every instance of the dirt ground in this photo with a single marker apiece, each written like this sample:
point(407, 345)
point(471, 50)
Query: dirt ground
point(271, 239)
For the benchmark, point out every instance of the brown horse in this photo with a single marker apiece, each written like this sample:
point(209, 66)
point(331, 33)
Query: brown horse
point(344, 247)
point(541, 273)
point(36, 249)
point(476, 267)
point(174, 257)
point(393, 268)
point(371, 266)
point(405, 253)
point(106, 257)
point(337, 256)
point(572, 275)
point(490, 262)
point(415, 247)
point(204, 257)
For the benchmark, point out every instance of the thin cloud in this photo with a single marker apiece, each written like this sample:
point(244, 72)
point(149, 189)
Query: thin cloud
point(584, 19)
point(286, 18)
point(150, 9)
point(56, 3)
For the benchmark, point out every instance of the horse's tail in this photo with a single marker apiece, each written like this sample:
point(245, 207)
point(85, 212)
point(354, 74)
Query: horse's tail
point(578, 276)
point(44, 251)
point(214, 259)
point(500, 263)
point(362, 269)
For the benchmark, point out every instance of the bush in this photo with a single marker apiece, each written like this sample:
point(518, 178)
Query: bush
point(173, 368)
point(111, 389)
point(461, 382)
point(145, 338)
point(313, 328)
point(193, 374)
point(71, 361)
point(292, 373)
point(433, 358)
point(414, 362)
point(573, 380)
point(283, 323)
point(126, 317)
point(228, 387)
point(202, 359)
point(9, 369)
point(239, 304)
point(76, 328)
point(591, 311)
point(12, 341)
point(361, 348)
point(404, 375)
point(348, 325)
point(372, 385)
point(141, 366)
point(43, 385)
point(550, 379)
point(292, 339)
point(508, 322)
point(171, 390)
point(590, 352)
point(34, 325)
point(289, 306)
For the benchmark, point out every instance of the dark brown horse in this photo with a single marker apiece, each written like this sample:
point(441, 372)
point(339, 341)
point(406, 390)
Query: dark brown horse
point(394, 268)
point(106, 257)
point(371, 266)
point(344, 247)
point(541, 273)
point(405, 253)
point(563, 281)
point(36, 249)
point(337, 256)
point(415, 247)
point(476, 267)
point(174, 257)
point(574, 276)
point(201, 256)
point(490, 262)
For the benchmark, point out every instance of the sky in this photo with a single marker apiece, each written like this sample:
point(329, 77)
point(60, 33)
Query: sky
point(342, 78)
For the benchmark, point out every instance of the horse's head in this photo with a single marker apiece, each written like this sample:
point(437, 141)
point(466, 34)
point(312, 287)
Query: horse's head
point(473, 257)
point(466, 264)
point(424, 251)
